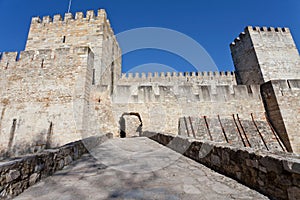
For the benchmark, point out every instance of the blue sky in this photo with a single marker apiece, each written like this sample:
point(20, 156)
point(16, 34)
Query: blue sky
point(212, 23)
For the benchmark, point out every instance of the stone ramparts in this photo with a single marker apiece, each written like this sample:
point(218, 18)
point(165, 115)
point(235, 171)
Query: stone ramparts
point(276, 175)
point(41, 58)
point(190, 92)
point(43, 94)
point(19, 174)
point(246, 131)
point(239, 40)
point(89, 15)
point(225, 78)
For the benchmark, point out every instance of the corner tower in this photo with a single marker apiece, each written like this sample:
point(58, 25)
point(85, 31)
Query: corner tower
point(89, 30)
point(261, 54)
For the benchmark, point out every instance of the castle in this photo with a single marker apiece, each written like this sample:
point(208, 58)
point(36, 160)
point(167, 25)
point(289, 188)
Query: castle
point(68, 85)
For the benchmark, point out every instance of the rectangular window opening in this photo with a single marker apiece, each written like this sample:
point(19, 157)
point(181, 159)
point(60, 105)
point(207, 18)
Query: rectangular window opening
point(42, 64)
point(288, 83)
point(249, 89)
point(18, 56)
point(93, 80)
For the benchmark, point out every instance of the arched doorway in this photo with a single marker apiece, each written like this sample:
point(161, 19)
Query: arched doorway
point(130, 125)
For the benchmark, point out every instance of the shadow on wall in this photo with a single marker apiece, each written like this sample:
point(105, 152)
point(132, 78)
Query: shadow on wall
point(122, 123)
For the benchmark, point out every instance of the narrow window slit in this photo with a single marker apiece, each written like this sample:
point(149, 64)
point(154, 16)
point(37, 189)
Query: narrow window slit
point(288, 83)
point(249, 89)
point(93, 80)
point(42, 64)
point(18, 56)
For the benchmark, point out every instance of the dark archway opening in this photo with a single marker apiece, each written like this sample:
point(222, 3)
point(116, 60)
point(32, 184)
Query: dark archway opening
point(122, 123)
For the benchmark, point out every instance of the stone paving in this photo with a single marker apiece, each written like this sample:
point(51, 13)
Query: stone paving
point(137, 168)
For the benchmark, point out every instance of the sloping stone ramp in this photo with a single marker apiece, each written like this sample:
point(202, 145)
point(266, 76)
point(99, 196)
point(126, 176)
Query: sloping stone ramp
point(137, 168)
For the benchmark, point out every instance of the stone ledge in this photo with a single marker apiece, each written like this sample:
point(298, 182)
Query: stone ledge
point(276, 175)
point(21, 173)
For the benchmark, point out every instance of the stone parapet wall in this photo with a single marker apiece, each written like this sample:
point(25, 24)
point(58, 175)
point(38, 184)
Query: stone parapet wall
point(249, 131)
point(19, 174)
point(281, 101)
point(276, 175)
point(90, 29)
point(160, 106)
point(151, 92)
point(218, 78)
point(43, 97)
point(261, 54)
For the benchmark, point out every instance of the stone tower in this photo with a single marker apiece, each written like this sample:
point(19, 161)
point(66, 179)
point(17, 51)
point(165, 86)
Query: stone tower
point(91, 30)
point(261, 54)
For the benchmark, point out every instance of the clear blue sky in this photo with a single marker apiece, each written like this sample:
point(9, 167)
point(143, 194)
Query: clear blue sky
point(212, 23)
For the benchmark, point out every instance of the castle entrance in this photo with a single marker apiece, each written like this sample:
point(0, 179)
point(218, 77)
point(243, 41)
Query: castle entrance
point(130, 125)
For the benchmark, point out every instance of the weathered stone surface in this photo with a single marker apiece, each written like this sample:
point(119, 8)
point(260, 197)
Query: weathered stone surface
point(33, 178)
point(119, 169)
point(12, 175)
point(17, 175)
point(270, 173)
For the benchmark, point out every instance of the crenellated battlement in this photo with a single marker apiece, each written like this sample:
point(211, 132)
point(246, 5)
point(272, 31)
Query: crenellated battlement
point(89, 15)
point(90, 29)
point(185, 93)
point(265, 53)
point(39, 58)
point(258, 29)
point(69, 30)
point(268, 29)
point(223, 77)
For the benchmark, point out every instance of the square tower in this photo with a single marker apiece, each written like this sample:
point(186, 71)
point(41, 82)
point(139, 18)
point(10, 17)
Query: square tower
point(92, 30)
point(261, 54)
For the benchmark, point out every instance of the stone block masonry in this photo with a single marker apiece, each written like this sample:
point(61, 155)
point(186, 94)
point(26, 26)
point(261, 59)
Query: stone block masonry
point(281, 100)
point(247, 131)
point(90, 29)
point(276, 175)
point(43, 94)
point(160, 106)
point(67, 84)
point(261, 54)
point(19, 174)
point(208, 78)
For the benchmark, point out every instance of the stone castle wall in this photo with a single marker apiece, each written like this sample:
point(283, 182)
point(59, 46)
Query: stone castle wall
point(281, 99)
point(43, 94)
point(252, 131)
point(274, 174)
point(171, 78)
point(19, 174)
point(261, 54)
point(57, 86)
point(93, 30)
point(161, 106)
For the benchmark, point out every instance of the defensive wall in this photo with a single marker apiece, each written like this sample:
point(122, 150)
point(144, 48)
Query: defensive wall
point(68, 85)
point(160, 106)
point(261, 54)
point(89, 29)
point(236, 131)
point(43, 94)
point(57, 84)
point(275, 174)
point(281, 100)
point(205, 78)
point(21, 173)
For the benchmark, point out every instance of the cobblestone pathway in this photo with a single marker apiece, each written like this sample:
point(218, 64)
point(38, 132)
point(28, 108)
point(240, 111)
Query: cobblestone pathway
point(137, 168)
